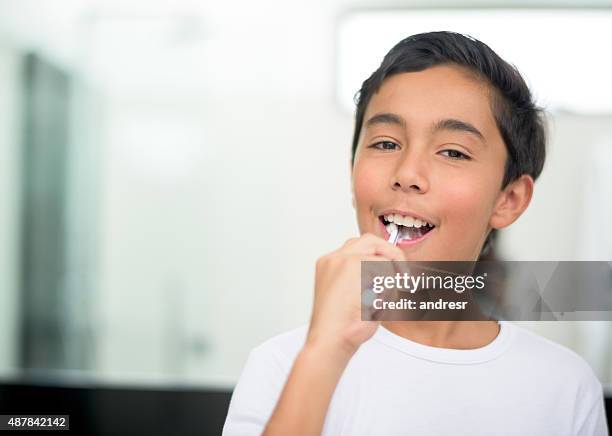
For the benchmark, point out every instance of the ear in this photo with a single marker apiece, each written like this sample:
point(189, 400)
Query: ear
point(512, 202)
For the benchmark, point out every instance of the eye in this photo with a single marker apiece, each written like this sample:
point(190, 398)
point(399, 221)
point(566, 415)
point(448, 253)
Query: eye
point(384, 145)
point(456, 154)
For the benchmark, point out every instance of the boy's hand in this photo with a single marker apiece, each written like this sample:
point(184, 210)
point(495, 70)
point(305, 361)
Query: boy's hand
point(336, 322)
point(336, 332)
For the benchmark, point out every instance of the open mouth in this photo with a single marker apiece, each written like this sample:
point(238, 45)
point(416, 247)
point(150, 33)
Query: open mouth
point(410, 228)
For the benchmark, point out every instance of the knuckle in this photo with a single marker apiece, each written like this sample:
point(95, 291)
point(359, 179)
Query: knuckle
point(369, 236)
point(338, 260)
point(350, 241)
point(321, 262)
point(329, 261)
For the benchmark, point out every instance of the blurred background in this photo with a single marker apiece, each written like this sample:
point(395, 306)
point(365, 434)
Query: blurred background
point(171, 171)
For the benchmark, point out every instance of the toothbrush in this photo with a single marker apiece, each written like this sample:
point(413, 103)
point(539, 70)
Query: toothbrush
point(393, 234)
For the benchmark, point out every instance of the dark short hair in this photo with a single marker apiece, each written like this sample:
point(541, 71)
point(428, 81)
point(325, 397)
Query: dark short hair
point(520, 121)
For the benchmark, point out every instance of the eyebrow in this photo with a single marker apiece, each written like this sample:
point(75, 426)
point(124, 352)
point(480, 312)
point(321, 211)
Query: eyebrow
point(444, 124)
point(457, 125)
point(386, 118)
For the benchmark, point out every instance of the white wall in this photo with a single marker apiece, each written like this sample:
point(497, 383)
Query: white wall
point(9, 191)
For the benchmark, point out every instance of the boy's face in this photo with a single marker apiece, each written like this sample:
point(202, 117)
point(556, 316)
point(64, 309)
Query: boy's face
point(432, 117)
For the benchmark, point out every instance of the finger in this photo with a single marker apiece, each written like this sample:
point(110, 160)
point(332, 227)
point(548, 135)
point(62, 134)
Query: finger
point(372, 245)
point(368, 293)
point(350, 242)
point(373, 269)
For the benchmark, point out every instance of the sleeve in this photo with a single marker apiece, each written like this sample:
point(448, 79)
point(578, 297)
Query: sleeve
point(594, 423)
point(256, 393)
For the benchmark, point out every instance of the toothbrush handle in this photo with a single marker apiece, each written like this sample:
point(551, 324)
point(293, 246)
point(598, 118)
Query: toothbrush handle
point(393, 237)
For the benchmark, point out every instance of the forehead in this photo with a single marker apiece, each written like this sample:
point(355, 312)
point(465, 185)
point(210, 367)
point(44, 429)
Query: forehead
point(424, 97)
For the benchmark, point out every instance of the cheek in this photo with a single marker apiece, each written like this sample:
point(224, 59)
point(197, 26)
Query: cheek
point(366, 184)
point(468, 204)
point(368, 187)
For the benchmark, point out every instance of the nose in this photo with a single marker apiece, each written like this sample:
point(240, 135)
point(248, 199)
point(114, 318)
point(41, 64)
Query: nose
point(410, 173)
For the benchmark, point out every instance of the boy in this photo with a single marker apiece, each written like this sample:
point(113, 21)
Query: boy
point(448, 140)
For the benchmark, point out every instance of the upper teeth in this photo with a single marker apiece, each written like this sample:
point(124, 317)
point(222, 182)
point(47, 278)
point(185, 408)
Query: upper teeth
point(406, 221)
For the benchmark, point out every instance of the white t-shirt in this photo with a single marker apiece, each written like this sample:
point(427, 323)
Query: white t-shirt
point(519, 384)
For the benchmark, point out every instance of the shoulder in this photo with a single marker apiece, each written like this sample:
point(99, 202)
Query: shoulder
point(269, 363)
point(549, 360)
point(261, 382)
point(282, 348)
point(544, 350)
point(287, 342)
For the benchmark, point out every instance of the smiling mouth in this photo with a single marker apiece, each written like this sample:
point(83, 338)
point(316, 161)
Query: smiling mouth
point(410, 229)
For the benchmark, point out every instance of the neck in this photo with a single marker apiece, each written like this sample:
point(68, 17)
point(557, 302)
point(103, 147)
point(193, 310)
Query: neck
point(446, 334)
